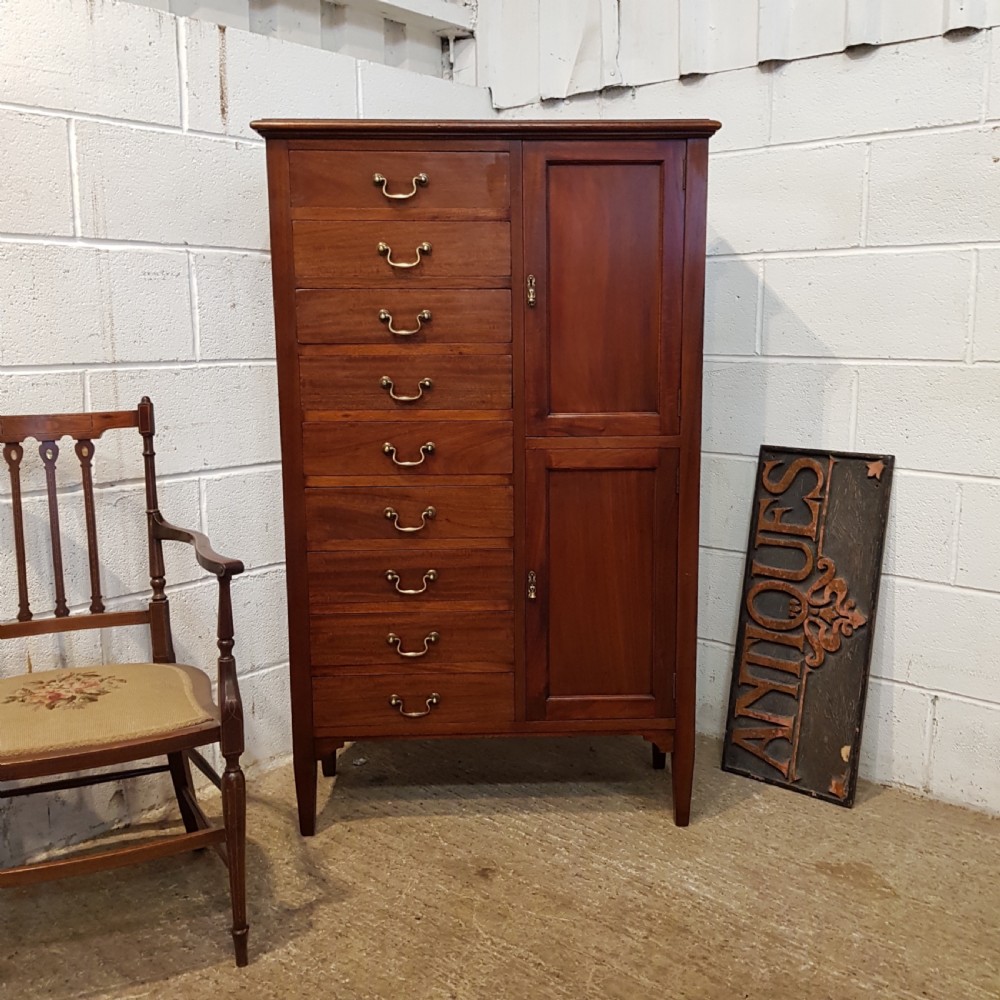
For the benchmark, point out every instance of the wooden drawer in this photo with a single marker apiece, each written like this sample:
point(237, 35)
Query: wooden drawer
point(358, 514)
point(438, 381)
point(363, 316)
point(460, 184)
point(465, 640)
point(347, 253)
point(360, 705)
point(460, 447)
point(453, 576)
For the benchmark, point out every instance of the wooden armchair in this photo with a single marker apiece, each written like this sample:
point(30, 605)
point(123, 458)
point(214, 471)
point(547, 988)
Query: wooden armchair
point(67, 720)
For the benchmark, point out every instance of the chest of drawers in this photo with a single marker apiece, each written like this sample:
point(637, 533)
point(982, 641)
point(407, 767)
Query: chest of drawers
point(489, 363)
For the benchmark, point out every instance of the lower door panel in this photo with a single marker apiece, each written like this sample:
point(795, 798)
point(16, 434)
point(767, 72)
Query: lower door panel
point(602, 543)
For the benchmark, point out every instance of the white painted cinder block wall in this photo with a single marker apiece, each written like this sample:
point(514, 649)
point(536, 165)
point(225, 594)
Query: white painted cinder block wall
point(852, 303)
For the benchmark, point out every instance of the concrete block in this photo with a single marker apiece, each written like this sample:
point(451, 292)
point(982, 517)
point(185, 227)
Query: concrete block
point(259, 622)
point(720, 578)
point(46, 652)
point(965, 754)
point(727, 485)
point(882, 90)
point(740, 99)
point(937, 637)
point(89, 305)
point(121, 539)
point(40, 392)
point(894, 736)
point(206, 417)
point(993, 96)
point(792, 30)
point(786, 199)
point(267, 716)
point(731, 292)
point(986, 335)
point(226, 88)
point(932, 418)
point(978, 565)
point(170, 188)
point(36, 194)
point(118, 60)
point(259, 541)
point(717, 35)
point(922, 531)
point(588, 107)
point(715, 670)
point(841, 306)
point(386, 92)
point(935, 188)
point(747, 404)
point(235, 312)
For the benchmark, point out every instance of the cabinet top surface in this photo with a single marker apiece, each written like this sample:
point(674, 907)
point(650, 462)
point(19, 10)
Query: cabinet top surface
point(307, 128)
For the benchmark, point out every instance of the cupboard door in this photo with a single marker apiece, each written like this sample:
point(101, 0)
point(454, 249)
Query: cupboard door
point(603, 238)
point(602, 543)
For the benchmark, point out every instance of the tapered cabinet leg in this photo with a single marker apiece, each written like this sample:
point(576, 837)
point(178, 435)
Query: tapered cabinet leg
point(180, 774)
point(659, 758)
point(234, 812)
point(305, 792)
point(682, 776)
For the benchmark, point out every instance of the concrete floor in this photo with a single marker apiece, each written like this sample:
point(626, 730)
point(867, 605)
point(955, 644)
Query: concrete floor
point(539, 869)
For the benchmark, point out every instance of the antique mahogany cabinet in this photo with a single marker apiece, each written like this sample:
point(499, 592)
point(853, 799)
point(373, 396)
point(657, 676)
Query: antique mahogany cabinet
point(489, 342)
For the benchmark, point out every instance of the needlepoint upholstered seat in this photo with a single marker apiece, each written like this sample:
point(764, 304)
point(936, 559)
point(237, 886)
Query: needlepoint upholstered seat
point(76, 718)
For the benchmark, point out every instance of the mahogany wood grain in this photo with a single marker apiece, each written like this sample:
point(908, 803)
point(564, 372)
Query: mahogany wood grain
point(346, 253)
point(457, 182)
point(360, 704)
point(600, 638)
point(480, 577)
point(351, 316)
point(313, 133)
point(467, 640)
point(682, 758)
point(472, 448)
point(357, 514)
point(52, 426)
point(589, 467)
point(603, 353)
point(355, 383)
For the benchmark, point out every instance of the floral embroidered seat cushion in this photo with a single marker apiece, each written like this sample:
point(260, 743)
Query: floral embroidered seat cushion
point(60, 710)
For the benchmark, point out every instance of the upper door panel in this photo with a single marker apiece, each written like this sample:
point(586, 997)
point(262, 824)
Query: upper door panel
point(603, 234)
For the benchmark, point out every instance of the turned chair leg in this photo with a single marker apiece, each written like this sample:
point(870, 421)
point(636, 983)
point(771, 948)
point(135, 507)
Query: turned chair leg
point(234, 812)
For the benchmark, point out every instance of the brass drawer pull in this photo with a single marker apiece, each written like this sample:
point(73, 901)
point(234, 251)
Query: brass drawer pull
point(433, 701)
point(419, 181)
point(424, 316)
point(429, 640)
point(425, 450)
point(386, 251)
point(389, 386)
point(393, 577)
point(426, 516)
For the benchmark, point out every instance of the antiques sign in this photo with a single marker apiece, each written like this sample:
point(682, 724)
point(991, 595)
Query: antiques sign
point(807, 615)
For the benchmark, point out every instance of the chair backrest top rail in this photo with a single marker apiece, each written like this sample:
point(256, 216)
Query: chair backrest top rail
point(50, 427)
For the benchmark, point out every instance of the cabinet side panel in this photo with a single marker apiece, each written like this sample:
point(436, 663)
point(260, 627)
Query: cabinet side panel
point(291, 457)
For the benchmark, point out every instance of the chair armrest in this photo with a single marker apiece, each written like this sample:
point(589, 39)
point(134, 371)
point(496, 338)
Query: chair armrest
point(207, 557)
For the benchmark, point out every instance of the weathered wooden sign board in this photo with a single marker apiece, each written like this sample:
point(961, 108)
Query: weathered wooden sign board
point(807, 616)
